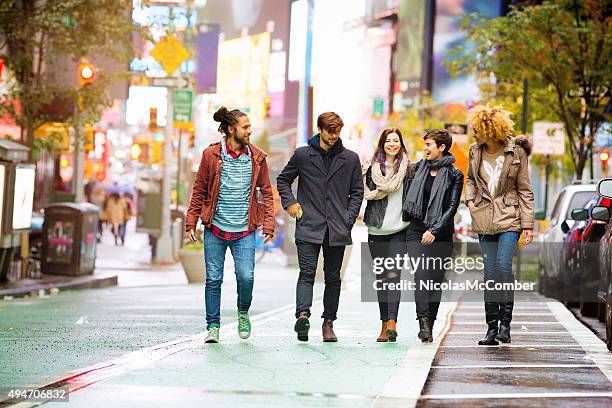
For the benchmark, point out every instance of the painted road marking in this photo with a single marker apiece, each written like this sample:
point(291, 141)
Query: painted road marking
point(592, 345)
point(520, 395)
point(516, 307)
point(144, 357)
point(469, 366)
point(535, 346)
point(415, 366)
point(513, 314)
point(519, 333)
point(464, 323)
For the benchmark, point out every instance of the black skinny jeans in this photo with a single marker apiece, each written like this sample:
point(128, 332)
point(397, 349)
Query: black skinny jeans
point(308, 256)
point(388, 246)
point(428, 300)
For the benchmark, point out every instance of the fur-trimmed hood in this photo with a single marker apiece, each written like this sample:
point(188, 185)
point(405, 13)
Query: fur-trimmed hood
point(524, 142)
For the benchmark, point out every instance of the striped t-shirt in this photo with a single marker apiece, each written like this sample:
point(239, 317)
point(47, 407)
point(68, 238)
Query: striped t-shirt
point(232, 212)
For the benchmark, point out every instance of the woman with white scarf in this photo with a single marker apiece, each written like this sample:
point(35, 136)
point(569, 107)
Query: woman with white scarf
point(386, 181)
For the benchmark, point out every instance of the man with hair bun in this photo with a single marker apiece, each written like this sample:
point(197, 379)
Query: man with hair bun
point(225, 199)
point(328, 200)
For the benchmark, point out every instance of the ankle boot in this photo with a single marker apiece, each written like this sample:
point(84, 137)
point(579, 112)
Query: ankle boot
point(382, 337)
point(425, 330)
point(505, 319)
point(302, 325)
point(489, 338)
point(491, 316)
point(328, 331)
point(504, 333)
point(391, 331)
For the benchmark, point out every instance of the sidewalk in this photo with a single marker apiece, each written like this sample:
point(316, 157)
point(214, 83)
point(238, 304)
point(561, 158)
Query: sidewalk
point(272, 368)
point(128, 265)
point(553, 359)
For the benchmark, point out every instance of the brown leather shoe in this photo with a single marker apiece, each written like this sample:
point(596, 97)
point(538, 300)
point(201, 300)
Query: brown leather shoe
point(328, 331)
point(382, 337)
point(391, 331)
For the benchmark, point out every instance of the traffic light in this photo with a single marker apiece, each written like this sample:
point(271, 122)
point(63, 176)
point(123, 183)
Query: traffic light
point(267, 102)
point(603, 158)
point(87, 73)
point(137, 150)
point(152, 119)
point(88, 146)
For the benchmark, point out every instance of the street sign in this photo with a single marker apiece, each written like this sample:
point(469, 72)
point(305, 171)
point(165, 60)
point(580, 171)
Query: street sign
point(378, 108)
point(170, 53)
point(458, 131)
point(548, 138)
point(181, 108)
point(170, 82)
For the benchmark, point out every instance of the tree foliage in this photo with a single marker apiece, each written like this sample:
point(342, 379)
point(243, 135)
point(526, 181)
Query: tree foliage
point(37, 34)
point(563, 48)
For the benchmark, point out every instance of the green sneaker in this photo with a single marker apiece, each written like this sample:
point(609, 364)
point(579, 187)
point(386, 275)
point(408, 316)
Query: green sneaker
point(244, 325)
point(213, 334)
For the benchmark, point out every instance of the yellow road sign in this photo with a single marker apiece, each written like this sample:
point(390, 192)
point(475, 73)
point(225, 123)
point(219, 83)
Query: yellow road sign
point(170, 53)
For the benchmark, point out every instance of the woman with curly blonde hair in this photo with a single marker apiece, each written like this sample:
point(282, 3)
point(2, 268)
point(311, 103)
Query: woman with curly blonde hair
point(500, 199)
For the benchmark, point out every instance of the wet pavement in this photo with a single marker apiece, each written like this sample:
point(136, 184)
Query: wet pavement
point(552, 361)
point(142, 346)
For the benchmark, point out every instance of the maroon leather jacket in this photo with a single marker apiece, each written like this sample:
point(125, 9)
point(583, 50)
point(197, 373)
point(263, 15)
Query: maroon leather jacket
point(206, 190)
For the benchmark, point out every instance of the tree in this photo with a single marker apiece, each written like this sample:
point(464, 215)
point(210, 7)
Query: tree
point(424, 116)
point(562, 47)
point(35, 35)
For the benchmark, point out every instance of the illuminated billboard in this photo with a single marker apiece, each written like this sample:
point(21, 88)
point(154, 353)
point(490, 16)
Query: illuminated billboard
point(243, 73)
point(449, 34)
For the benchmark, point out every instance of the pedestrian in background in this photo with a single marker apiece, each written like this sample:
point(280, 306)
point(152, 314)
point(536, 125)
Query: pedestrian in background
point(127, 197)
point(329, 196)
point(386, 179)
point(98, 198)
point(224, 199)
point(500, 199)
point(115, 211)
point(431, 205)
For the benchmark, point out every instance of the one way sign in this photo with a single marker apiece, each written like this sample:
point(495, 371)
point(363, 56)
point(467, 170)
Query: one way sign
point(171, 82)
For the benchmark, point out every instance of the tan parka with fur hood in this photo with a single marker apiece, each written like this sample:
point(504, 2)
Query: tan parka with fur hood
point(512, 207)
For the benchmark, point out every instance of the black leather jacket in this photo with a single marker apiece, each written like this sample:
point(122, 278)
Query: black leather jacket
point(446, 223)
point(375, 209)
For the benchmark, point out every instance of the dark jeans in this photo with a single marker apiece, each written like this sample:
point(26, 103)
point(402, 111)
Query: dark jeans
point(388, 246)
point(428, 299)
point(497, 252)
point(308, 255)
point(122, 231)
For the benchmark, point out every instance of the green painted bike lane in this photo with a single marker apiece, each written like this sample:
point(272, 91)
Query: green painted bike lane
point(43, 339)
point(273, 369)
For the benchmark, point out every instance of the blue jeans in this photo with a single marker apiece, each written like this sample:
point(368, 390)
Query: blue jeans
point(243, 252)
point(497, 251)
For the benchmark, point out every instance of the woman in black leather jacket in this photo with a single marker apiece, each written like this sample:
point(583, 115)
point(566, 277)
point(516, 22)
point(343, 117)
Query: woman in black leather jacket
point(430, 205)
point(386, 181)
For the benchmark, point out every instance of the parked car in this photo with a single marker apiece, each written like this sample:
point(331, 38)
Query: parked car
point(567, 287)
point(604, 188)
point(550, 242)
point(583, 272)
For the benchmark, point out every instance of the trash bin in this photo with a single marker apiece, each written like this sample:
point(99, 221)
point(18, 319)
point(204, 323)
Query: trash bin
point(69, 239)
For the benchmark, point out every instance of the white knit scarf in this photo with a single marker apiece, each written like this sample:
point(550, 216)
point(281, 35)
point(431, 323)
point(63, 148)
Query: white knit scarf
point(384, 184)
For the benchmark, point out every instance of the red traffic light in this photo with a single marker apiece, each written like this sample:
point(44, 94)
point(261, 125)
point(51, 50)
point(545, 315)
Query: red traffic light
point(604, 156)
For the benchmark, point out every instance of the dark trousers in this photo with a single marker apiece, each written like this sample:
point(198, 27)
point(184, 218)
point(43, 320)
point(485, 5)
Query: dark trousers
point(308, 255)
point(430, 270)
point(388, 246)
